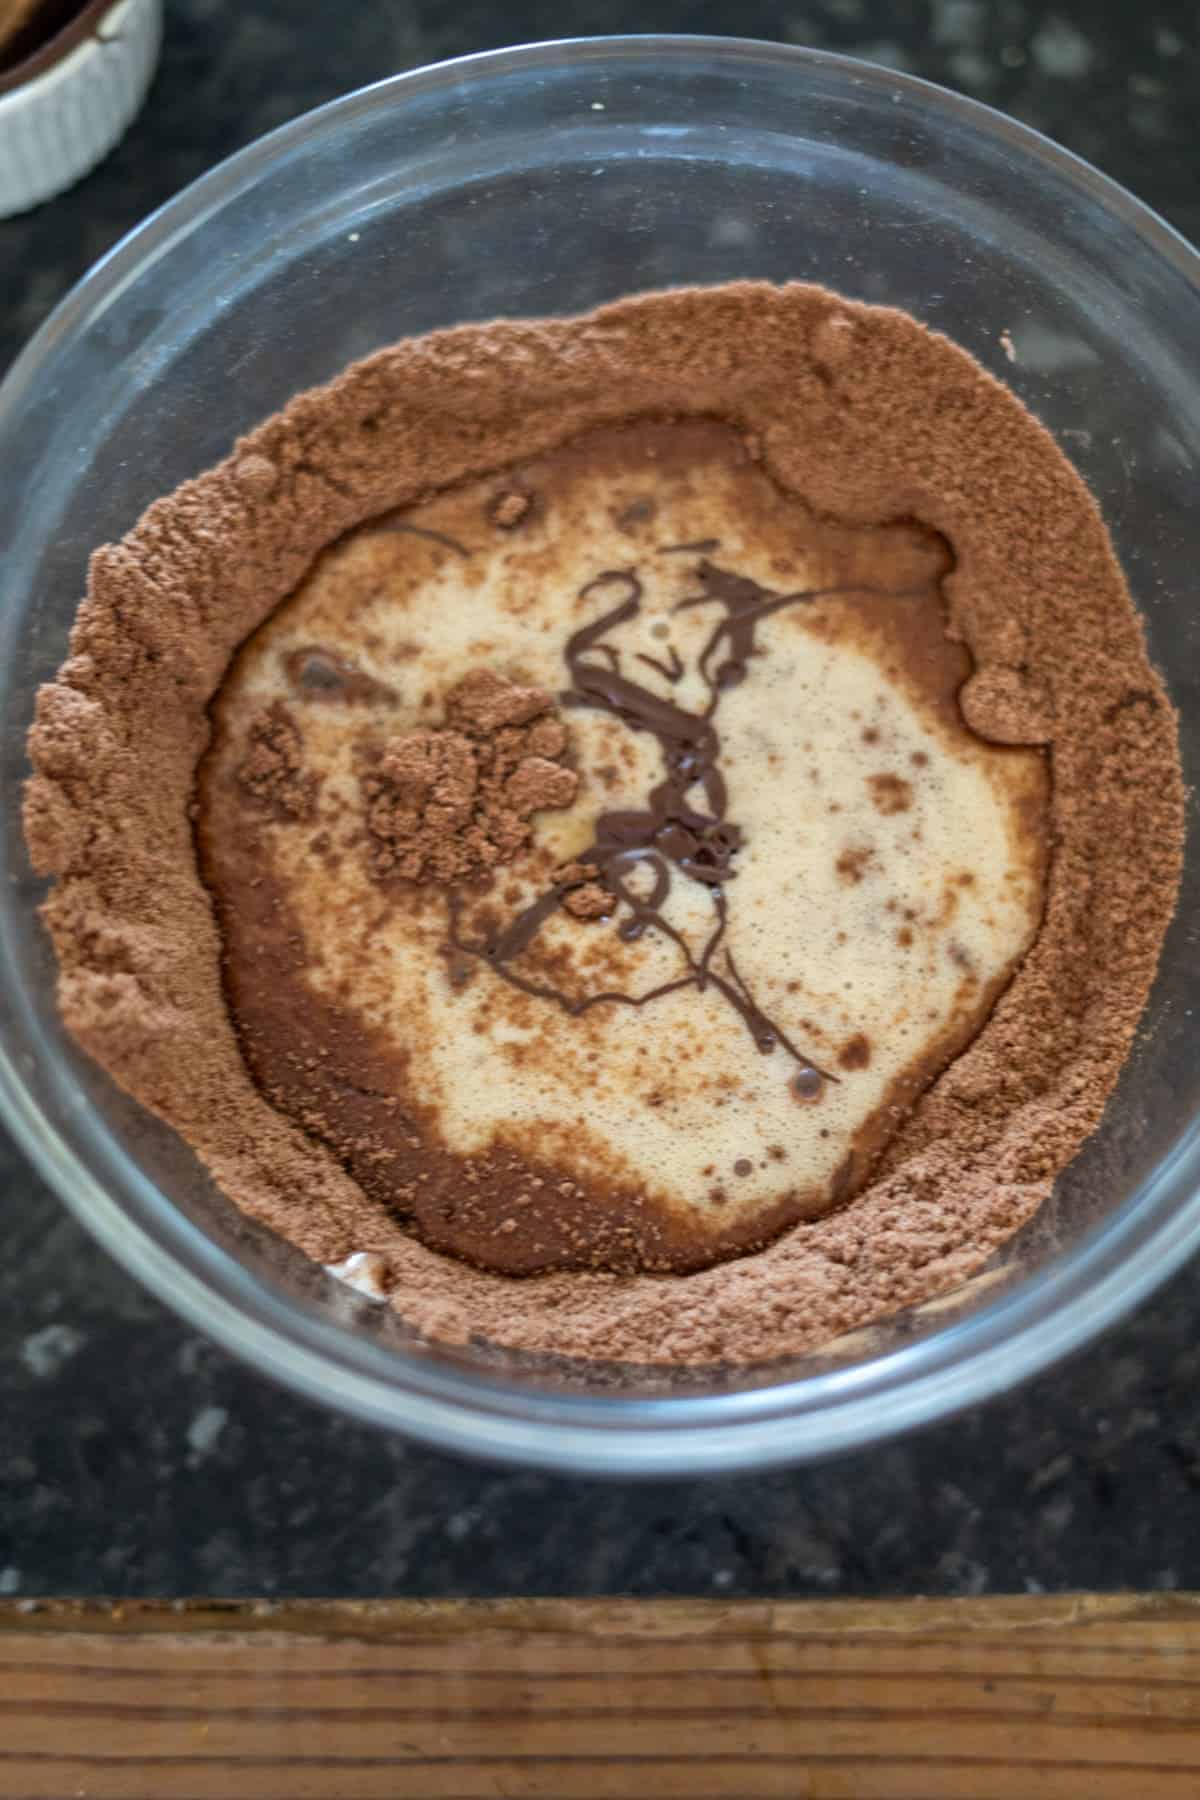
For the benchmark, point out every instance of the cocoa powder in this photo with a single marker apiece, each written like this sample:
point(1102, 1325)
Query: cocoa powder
point(272, 773)
point(869, 417)
point(451, 804)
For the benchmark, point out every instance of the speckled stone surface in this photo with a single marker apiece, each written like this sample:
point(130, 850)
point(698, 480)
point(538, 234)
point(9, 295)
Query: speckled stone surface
point(137, 1459)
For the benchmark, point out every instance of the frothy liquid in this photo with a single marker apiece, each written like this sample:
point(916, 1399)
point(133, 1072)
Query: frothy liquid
point(882, 869)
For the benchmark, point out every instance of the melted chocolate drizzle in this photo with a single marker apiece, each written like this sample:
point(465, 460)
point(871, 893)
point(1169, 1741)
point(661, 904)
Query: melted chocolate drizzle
point(684, 823)
point(387, 522)
point(672, 671)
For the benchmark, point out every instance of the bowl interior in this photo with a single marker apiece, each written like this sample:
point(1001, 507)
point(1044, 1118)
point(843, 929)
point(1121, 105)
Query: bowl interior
point(547, 181)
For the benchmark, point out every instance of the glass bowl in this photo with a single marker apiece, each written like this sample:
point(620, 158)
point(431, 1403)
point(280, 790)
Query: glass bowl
point(546, 180)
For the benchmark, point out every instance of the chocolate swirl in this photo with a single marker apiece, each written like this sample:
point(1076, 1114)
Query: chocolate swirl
point(684, 824)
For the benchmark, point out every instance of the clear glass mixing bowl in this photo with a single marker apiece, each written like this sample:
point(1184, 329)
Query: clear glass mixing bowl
point(545, 180)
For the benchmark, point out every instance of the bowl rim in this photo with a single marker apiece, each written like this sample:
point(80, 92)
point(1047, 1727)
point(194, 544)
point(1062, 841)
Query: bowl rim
point(1042, 1318)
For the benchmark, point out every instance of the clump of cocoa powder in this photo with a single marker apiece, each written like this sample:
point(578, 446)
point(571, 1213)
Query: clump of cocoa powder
point(509, 509)
point(450, 803)
point(272, 772)
point(584, 895)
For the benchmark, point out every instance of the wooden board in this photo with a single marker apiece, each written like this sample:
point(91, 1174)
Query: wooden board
point(1079, 1698)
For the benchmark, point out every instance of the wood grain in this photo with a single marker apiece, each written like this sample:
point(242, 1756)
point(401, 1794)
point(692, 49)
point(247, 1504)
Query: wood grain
point(1081, 1698)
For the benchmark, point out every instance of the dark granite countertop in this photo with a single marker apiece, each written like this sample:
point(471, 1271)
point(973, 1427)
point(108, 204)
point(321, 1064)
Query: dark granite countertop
point(135, 1458)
